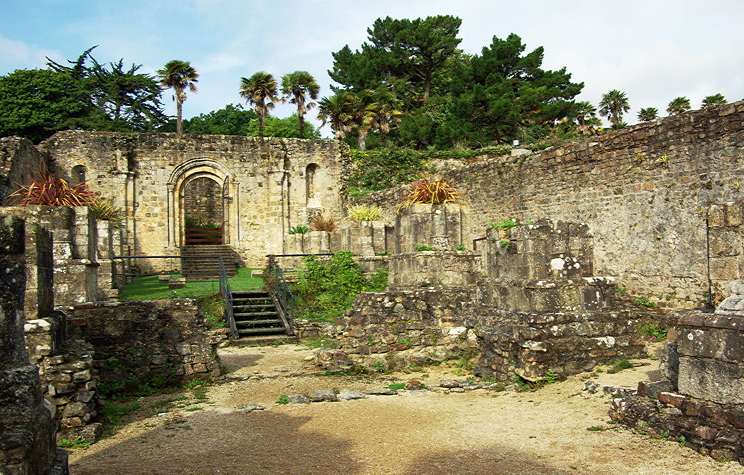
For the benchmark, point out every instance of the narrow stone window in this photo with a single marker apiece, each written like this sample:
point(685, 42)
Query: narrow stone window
point(310, 175)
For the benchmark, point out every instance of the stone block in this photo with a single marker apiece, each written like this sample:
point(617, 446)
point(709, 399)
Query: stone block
point(711, 380)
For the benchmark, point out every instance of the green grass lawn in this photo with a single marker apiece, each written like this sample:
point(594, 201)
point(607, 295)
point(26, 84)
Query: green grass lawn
point(150, 288)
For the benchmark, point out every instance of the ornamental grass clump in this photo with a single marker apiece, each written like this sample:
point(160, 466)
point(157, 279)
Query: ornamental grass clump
point(432, 191)
point(365, 212)
point(49, 190)
point(320, 223)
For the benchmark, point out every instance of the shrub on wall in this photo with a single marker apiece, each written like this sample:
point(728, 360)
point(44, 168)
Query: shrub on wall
point(326, 289)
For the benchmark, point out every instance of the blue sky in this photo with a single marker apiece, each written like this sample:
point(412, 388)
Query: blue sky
point(652, 50)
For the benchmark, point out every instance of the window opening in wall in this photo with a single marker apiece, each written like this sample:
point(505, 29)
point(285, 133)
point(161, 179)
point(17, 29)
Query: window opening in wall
point(310, 178)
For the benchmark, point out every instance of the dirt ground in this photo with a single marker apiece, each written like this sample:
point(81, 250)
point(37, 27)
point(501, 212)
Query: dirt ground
point(474, 432)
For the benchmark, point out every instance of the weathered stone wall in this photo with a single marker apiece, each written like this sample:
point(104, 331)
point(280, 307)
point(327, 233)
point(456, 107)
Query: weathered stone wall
point(725, 247)
point(75, 266)
point(19, 162)
point(67, 374)
point(154, 342)
point(643, 191)
point(263, 184)
point(442, 227)
point(433, 269)
point(27, 441)
point(412, 327)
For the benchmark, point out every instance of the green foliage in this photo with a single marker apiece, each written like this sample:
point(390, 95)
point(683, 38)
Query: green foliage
point(114, 411)
point(179, 75)
point(151, 288)
point(296, 87)
point(77, 443)
point(648, 114)
point(213, 309)
point(364, 212)
point(230, 120)
point(105, 209)
point(320, 342)
point(261, 91)
point(678, 105)
point(503, 224)
point(613, 105)
point(37, 103)
point(551, 377)
point(619, 365)
point(644, 301)
point(283, 399)
point(714, 100)
point(299, 229)
point(288, 127)
point(381, 169)
point(397, 386)
point(330, 287)
point(652, 332)
point(423, 247)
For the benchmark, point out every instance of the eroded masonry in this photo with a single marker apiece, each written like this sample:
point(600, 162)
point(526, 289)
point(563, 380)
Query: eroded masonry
point(604, 230)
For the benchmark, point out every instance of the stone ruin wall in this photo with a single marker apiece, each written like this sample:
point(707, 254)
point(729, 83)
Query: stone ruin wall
point(27, 429)
point(645, 191)
point(270, 185)
point(19, 162)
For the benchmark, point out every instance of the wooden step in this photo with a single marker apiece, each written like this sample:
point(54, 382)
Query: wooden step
point(259, 331)
point(251, 315)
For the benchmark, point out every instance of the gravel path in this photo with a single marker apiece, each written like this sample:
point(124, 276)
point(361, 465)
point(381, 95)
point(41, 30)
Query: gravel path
point(474, 432)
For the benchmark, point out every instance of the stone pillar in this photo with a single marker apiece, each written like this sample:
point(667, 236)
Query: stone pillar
point(711, 351)
point(27, 430)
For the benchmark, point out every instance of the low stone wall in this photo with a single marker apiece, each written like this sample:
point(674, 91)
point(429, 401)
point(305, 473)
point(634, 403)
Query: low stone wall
point(67, 373)
point(138, 343)
point(395, 329)
point(707, 427)
point(532, 344)
point(434, 269)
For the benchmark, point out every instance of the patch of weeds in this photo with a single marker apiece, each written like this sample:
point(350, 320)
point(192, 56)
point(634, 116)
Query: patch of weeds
point(283, 399)
point(460, 248)
point(195, 383)
point(644, 301)
point(642, 427)
point(200, 392)
point(619, 365)
point(551, 377)
point(380, 367)
point(397, 386)
point(505, 243)
point(321, 342)
point(503, 224)
point(423, 247)
point(114, 411)
point(213, 309)
point(596, 428)
point(681, 440)
point(193, 409)
point(77, 443)
point(652, 332)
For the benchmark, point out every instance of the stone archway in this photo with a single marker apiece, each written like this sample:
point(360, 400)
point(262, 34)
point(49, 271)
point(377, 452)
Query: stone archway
point(201, 192)
point(203, 210)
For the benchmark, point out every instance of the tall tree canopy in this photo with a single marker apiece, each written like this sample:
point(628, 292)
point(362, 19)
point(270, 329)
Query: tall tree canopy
point(297, 87)
point(82, 94)
point(230, 120)
point(179, 75)
point(420, 90)
point(261, 91)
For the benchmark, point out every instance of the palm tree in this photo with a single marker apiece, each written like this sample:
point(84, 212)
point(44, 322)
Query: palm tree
point(296, 87)
point(678, 105)
point(259, 90)
point(361, 107)
point(648, 114)
point(714, 100)
point(335, 110)
point(613, 105)
point(179, 75)
point(386, 108)
point(585, 115)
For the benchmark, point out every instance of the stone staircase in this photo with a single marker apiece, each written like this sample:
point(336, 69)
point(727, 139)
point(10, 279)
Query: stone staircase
point(257, 317)
point(208, 268)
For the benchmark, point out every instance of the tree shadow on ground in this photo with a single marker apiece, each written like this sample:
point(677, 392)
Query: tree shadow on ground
point(486, 461)
point(237, 361)
point(238, 443)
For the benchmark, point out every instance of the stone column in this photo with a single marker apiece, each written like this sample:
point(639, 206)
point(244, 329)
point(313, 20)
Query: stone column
point(27, 430)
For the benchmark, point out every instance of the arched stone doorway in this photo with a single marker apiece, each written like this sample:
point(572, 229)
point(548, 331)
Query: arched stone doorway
point(201, 192)
point(203, 211)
